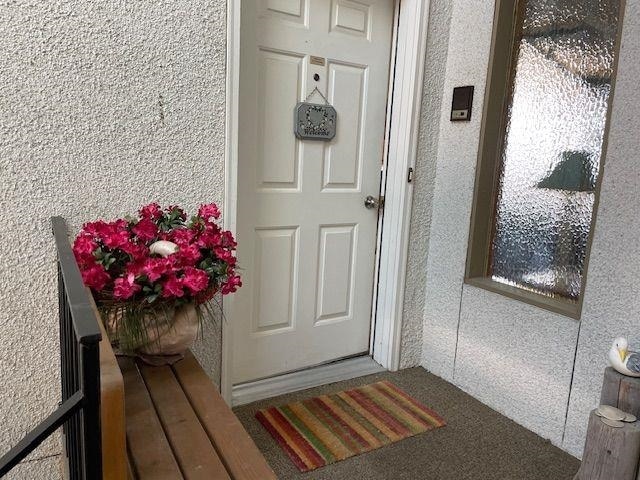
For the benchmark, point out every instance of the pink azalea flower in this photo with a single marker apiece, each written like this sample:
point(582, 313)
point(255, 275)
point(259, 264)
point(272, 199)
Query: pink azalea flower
point(84, 245)
point(119, 224)
point(153, 211)
point(83, 248)
point(224, 254)
point(181, 236)
point(154, 268)
point(209, 240)
point(211, 227)
point(96, 229)
point(115, 239)
point(209, 210)
point(172, 287)
point(136, 266)
point(189, 255)
point(115, 234)
point(195, 280)
point(228, 240)
point(95, 277)
point(125, 287)
point(233, 283)
point(145, 229)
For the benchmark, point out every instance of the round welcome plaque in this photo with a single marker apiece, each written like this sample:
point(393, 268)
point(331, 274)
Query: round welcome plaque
point(314, 121)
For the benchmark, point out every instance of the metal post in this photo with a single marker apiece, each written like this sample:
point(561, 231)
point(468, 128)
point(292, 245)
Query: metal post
point(91, 433)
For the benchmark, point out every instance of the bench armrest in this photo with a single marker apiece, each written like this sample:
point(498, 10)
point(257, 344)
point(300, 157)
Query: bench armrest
point(112, 417)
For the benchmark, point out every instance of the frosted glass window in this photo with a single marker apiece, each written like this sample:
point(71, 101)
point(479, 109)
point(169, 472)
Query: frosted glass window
point(550, 158)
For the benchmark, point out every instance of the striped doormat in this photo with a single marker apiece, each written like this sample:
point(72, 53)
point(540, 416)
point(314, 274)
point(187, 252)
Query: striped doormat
point(330, 428)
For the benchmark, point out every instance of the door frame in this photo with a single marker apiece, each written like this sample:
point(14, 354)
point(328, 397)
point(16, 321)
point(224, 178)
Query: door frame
point(405, 93)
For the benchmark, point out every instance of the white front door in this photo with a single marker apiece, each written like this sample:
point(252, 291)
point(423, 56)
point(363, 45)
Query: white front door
point(307, 244)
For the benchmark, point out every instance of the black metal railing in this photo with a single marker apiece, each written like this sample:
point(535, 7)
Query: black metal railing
point(79, 412)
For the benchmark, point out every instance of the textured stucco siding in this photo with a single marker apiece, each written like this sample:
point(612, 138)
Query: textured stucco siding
point(104, 105)
point(469, 44)
point(612, 296)
point(423, 186)
point(517, 358)
point(48, 468)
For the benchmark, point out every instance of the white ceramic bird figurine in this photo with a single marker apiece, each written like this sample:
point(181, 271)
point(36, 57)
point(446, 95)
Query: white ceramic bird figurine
point(624, 361)
point(163, 248)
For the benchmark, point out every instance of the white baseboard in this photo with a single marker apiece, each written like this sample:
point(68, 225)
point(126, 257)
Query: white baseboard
point(313, 377)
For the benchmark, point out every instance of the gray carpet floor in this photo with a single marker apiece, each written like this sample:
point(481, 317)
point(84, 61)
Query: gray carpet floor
point(477, 443)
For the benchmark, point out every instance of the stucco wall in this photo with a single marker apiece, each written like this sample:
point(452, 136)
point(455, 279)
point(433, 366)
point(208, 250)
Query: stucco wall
point(434, 74)
point(47, 468)
point(104, 105)
point(612, 297)
point(517, 358)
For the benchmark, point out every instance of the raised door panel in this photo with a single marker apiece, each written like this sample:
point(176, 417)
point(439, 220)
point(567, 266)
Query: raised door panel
point(275, 275)
point(350, 17)
point(288, 10)
point(279, 88)
point(343, 156)
point(336, 259)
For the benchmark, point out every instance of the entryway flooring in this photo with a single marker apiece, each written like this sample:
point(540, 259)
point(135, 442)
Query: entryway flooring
point(478, 443)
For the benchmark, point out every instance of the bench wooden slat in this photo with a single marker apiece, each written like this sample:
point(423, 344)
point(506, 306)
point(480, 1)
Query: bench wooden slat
point(234, 445)
point(150, 453)
point(191, 446)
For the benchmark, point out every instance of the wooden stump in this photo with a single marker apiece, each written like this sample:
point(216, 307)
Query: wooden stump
point(621, 391)
point(610, 453)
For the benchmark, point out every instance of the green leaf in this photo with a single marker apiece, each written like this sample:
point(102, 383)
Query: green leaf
point(152, 298)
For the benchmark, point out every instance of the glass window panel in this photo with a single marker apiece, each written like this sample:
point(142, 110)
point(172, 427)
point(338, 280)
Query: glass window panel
point(553, 143)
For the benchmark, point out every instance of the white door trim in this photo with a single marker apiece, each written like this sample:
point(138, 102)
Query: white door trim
point(411, 42)
point(230, 206)
point(403, 136)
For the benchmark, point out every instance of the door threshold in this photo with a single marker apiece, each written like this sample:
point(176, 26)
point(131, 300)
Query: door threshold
point(347, 369)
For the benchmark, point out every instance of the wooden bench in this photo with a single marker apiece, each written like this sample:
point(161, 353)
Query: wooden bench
point(170, 422)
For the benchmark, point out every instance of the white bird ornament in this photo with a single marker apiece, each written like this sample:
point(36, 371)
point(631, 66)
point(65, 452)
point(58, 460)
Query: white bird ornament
point(623, 360)
point(163, 248)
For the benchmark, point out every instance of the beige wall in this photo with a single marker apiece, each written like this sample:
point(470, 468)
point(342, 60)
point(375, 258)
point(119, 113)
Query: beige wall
point(104, 105)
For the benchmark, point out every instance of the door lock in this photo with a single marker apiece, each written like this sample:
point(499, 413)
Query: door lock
point(372, 202)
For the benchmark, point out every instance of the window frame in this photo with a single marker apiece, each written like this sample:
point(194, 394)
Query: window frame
point(508, 16)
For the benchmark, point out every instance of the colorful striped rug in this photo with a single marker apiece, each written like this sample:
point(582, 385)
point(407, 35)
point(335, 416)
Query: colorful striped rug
point(330, 428)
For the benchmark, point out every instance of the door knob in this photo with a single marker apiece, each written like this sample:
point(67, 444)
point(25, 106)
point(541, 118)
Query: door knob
point(371, 202)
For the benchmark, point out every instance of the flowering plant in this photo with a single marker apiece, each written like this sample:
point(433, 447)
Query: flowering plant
point(155, 263)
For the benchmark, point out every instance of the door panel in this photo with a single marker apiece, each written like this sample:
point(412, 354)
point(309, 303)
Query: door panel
point(350, 17)
point(335, 272)
point(275, 258)
point(305, 241)
point(290, 8)
point(278, 156)
point(343, 156)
